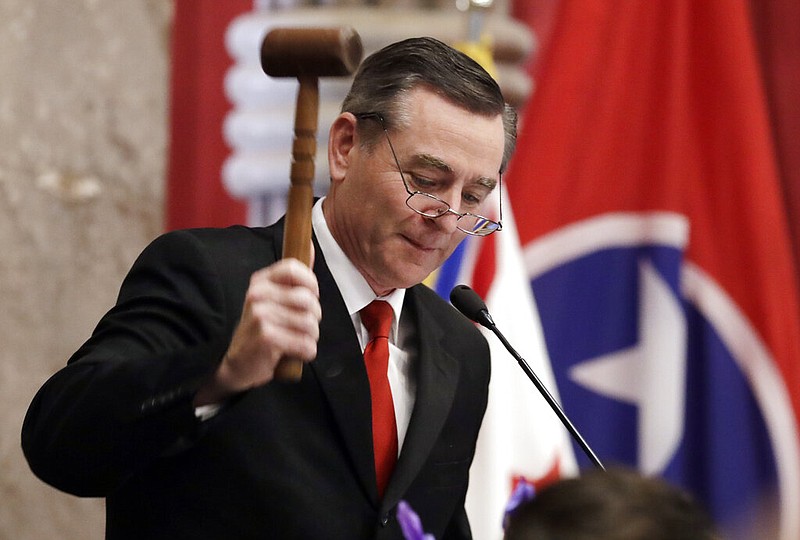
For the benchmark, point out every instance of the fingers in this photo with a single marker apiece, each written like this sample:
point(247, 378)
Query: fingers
point(285, 292)
point(284, 299)
point(287, 272)
point(280, 317)
point(289, 328)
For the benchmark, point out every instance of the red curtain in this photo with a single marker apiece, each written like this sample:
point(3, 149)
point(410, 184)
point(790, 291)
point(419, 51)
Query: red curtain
point(776, 24)
point(195, 195)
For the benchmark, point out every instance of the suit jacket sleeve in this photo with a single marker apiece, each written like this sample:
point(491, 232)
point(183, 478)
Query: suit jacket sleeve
point(125, 397)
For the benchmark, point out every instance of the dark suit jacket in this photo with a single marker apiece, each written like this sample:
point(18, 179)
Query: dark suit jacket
point(279, 461)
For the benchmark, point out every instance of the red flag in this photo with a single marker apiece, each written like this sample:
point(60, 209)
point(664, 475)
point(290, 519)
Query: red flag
point(195, 194)
point(649, 113)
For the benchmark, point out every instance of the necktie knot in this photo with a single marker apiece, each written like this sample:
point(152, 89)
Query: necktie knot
point(377, 318)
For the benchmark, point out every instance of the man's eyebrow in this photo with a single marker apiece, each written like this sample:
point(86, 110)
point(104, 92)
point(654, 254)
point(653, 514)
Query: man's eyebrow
point(431, 161)
point(428, 160)
point(487, 182)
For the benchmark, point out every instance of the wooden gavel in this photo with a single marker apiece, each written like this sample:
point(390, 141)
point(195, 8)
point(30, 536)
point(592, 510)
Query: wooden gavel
point(305, 53)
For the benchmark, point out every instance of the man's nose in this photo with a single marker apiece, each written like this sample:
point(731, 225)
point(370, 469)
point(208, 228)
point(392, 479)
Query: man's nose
point(453, 198)
point(447, 221)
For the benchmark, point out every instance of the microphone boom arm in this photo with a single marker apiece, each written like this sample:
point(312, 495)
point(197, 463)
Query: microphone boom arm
point(548, 398)
point(473, 307)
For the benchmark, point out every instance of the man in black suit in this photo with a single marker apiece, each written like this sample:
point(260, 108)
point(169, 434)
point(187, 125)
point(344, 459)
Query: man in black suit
point(171, 411)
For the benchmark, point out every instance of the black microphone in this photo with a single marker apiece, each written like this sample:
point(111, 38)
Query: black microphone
point(474, 308)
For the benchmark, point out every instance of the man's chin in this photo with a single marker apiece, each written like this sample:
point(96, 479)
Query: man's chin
point(406, 276)
point(416, 275)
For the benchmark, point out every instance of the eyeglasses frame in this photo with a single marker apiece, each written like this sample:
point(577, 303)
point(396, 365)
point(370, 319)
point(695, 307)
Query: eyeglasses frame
point(379, 117)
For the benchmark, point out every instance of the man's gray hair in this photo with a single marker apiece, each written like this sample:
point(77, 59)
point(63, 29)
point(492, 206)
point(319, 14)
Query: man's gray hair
point(384, 79)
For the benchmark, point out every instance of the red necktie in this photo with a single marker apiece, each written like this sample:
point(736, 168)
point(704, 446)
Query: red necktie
point(377, 318)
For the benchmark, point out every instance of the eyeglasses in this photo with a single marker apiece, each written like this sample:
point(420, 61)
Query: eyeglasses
point(432, 206)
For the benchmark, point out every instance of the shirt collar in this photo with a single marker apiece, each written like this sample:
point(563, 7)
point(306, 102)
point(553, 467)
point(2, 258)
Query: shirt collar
point(354, 289)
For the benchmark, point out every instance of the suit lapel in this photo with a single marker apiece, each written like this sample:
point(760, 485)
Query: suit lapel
point(339, 368)
point(437, 379)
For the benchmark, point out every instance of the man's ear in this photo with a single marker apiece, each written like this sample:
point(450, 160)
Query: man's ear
point(341, 142)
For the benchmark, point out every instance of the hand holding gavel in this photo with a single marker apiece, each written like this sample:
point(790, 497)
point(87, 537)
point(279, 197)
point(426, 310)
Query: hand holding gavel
point(305, 53)
point(279, 326)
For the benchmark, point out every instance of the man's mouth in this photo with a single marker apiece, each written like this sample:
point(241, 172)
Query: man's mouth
point(418, 245)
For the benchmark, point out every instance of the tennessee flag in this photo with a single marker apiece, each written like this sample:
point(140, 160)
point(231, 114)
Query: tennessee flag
point(656, 243)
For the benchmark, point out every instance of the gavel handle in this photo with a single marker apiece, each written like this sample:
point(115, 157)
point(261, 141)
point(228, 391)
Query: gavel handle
point(297, 230)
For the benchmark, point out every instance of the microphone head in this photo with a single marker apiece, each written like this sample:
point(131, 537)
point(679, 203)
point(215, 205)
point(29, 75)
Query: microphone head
point(471, 305)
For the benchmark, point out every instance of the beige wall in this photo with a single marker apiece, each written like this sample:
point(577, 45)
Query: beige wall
point(83, 101)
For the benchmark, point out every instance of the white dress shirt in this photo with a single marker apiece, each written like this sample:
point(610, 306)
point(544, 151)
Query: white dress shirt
point(357, 294)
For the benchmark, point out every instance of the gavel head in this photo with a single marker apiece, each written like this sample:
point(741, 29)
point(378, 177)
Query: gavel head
point(311, 52)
